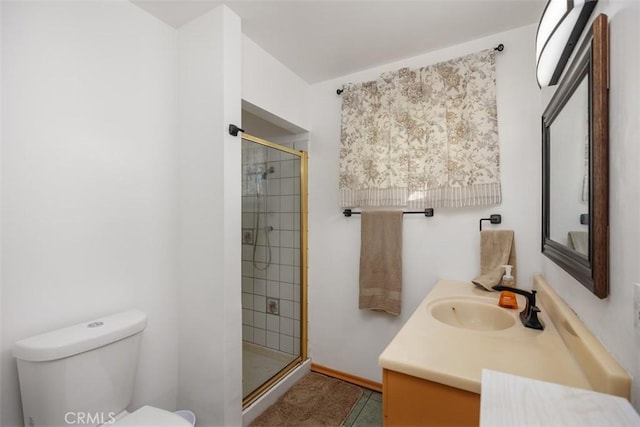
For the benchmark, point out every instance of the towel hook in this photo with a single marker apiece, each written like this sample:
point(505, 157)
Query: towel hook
point(493, 218)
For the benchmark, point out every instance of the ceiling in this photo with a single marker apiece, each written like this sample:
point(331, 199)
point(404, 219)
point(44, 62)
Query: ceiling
point(322, 40)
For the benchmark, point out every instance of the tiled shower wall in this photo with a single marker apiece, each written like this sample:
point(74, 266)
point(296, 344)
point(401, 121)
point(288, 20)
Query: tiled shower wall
point(271, 296)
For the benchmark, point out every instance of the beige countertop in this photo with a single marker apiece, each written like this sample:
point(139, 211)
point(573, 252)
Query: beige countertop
point(429, 349)
point(509, 400)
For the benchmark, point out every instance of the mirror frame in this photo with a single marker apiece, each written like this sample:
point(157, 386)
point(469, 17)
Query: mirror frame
point(592, 60)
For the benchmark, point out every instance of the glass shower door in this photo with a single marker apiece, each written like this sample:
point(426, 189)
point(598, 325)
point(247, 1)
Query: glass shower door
point(273, 263)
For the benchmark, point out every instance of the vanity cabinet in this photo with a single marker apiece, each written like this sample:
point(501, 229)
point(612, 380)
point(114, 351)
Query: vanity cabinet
point(412, 401)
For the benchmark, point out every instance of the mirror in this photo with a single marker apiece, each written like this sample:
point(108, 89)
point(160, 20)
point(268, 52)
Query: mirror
point(575, 187)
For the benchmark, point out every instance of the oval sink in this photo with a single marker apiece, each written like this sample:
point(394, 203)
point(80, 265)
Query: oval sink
point(473, 315)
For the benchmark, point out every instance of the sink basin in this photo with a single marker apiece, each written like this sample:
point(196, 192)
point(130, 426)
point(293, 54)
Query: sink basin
point(470, 314)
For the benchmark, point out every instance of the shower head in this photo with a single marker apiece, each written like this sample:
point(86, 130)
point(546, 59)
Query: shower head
point(271, 169)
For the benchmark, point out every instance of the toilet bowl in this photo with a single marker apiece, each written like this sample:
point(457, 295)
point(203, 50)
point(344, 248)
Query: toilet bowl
point(84, 375)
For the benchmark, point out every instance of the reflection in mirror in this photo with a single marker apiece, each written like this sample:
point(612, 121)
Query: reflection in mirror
point(575, 151)
point(568, 172)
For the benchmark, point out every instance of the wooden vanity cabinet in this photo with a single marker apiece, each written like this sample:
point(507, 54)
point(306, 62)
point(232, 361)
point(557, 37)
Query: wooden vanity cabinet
point(411, 401)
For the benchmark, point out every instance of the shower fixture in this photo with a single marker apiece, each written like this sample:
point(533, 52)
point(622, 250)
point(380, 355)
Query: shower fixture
point(259, 176)
point(269, 170)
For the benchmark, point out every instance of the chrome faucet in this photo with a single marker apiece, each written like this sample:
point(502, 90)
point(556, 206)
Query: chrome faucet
point(528, 316)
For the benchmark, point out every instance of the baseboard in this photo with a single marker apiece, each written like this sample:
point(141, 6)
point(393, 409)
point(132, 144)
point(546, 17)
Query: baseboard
point(362, 382)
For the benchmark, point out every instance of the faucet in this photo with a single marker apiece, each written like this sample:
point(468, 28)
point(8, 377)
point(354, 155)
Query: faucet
point(528, 316)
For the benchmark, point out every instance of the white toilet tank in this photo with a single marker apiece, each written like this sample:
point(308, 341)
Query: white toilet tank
point(83, 374)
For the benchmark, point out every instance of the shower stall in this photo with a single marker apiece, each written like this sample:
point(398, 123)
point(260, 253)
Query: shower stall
point(274, 226)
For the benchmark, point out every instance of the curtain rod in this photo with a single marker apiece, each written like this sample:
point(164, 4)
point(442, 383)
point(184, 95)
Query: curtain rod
point(498, 48)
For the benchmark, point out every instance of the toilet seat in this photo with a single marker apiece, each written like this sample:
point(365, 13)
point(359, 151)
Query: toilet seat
point(148, 416)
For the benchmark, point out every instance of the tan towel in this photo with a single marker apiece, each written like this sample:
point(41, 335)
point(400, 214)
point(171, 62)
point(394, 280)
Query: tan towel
point(381, 261)
point(497, 248)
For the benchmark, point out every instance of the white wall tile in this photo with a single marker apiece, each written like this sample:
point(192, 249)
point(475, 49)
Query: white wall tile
point(286, 256)
point(286, 326)
point(287, 186)
point(296, 347)
point(247, 301)
point(296, 166)
point(273, 187)
point(273, 272)
point(286, 344)
point(258, 273)
point(286, 273)
point(287, 169)
point(286, 239)
point(247, 220)
point(273, 155)
point(247, 268)
point(296, 329)
point(287, 291)
point(259, 287)
point(259, 303)
point(260, 254)
point(247, 284)
point(274, 238)
point(259, 337)
point(273, 203)
point(273, 323)
point(247, 333)
point(273, 219)
point(248, 204)
point(286, 221)
point(296, 310)
point(275, 253)
point(273, 340)
point(286, 309)
point(247, 317)
point(287, 204)
point(296, 293)
point(259, 320)
point(247, 252)
point(273, 289)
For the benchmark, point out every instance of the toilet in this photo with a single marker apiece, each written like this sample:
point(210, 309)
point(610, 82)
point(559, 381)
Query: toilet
point(84, 375)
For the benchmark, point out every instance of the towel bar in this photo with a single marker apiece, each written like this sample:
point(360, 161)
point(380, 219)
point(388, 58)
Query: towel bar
point(494, 219)
point(427, 212)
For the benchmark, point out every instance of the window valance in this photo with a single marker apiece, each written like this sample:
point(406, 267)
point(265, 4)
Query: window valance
point(422, 138)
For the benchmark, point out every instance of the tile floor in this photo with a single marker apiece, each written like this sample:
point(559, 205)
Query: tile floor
point(367, 412)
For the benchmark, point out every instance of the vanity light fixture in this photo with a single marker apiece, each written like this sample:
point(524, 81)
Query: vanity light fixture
point(559, 29)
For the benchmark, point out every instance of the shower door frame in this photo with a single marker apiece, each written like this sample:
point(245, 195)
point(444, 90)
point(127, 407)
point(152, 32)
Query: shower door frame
point(266, 386)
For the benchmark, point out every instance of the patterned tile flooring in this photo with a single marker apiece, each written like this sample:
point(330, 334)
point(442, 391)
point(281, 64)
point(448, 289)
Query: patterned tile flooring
point(367, 412)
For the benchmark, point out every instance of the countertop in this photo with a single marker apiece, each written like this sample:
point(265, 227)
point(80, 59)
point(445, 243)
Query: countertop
point(429, 349)
point(509, 400)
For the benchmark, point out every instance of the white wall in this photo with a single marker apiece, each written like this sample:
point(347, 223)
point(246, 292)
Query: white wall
point(611, 319)
point(88, 180)
point(210, 357)
point(445, 246)
point(271, 87)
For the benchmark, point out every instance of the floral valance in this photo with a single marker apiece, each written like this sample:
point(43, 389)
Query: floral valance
point(422, 138)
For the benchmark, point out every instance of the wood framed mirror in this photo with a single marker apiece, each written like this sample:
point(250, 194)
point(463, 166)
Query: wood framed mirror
point(575, 166)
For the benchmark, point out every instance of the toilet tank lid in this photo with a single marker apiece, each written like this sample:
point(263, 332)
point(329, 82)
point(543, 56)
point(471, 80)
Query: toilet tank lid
point(79, 338)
